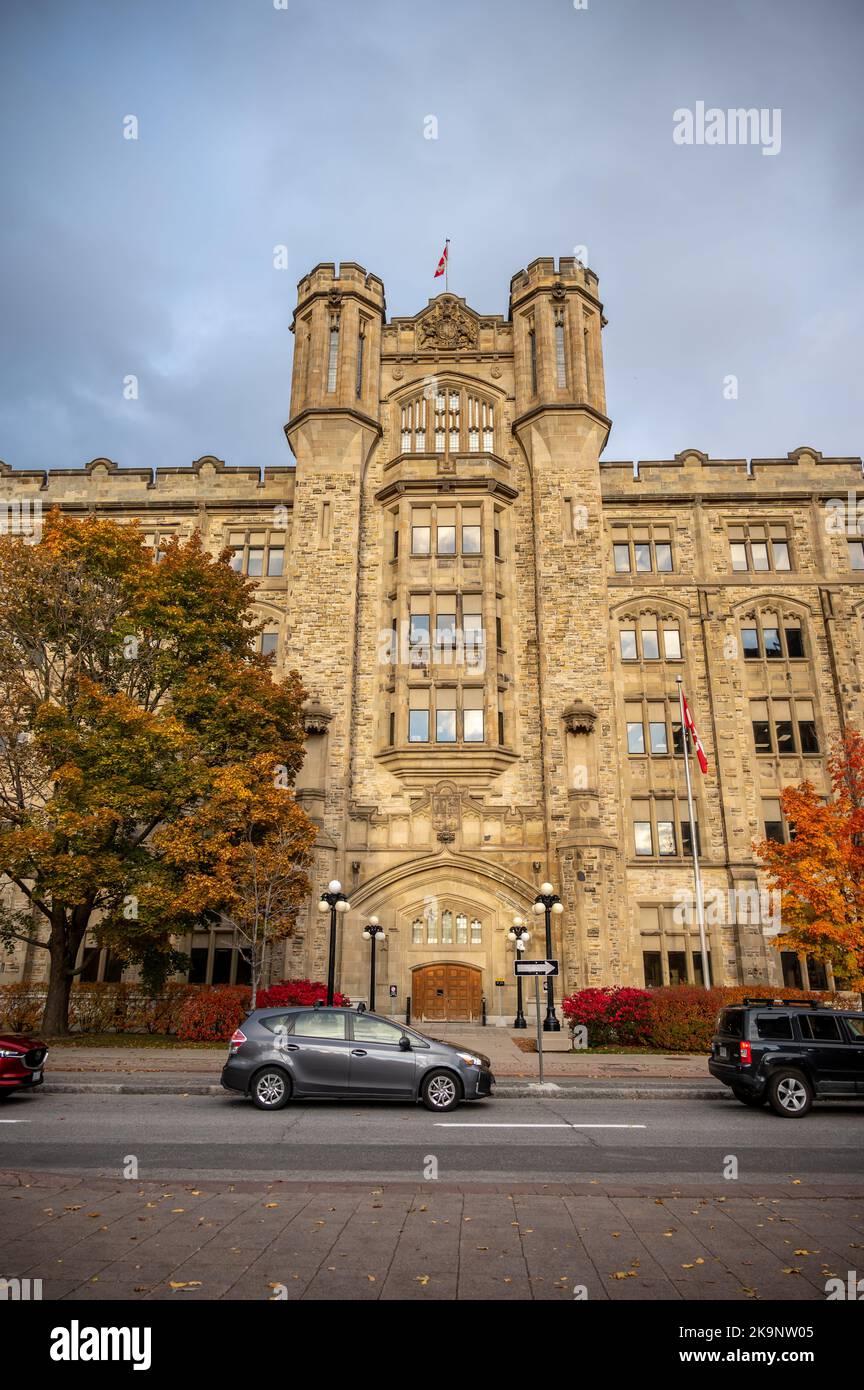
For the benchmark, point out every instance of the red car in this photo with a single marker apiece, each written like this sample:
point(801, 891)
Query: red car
point(21, 1061)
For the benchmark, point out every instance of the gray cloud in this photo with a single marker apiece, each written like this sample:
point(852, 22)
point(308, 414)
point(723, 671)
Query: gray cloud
point(304, 127)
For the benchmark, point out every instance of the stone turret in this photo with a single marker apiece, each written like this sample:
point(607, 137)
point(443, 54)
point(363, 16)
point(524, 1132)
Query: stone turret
point(337, 324)
point(557, 320)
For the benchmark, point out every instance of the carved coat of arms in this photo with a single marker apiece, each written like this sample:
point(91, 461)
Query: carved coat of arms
point(447, 326)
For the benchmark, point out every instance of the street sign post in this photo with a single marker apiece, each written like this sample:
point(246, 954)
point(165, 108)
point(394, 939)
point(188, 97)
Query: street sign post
point(537, 968)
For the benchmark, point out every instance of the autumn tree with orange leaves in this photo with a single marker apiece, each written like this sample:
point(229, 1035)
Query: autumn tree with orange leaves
point(820, 872)
point(242, 854)
point(131, 701)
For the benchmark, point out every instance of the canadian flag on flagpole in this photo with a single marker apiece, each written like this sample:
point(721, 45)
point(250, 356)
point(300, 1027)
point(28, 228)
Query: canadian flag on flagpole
point(442, 264)
point(697, 742)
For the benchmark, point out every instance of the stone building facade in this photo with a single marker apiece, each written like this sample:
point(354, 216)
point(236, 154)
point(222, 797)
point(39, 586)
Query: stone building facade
point(490, 619)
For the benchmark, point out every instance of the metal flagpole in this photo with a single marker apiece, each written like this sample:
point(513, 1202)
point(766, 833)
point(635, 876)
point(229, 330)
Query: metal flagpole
point(700, 906)
point(446, 263)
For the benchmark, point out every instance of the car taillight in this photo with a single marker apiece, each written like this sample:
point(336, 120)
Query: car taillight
point(237, 1037)
point(746, 1053)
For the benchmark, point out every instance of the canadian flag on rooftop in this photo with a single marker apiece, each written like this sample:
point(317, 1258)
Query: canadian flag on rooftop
point(442, 264)
point(697, 742)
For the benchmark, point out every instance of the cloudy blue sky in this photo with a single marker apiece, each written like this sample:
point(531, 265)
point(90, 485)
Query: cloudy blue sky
point(304, 126)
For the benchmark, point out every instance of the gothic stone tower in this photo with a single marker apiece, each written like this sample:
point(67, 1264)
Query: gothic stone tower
point(448, 600)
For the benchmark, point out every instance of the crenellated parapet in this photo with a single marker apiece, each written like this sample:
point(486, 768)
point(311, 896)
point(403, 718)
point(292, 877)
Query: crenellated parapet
point(103, 485)
point(802, 472)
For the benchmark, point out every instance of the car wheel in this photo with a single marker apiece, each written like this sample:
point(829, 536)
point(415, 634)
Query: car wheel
point(441, 1091)
point(790, 1094)
point(270, 1089)
point(754, 1098)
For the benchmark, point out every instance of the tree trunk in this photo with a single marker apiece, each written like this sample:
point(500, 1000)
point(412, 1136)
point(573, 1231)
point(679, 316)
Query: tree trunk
point(63, 950)
point(55, 1020)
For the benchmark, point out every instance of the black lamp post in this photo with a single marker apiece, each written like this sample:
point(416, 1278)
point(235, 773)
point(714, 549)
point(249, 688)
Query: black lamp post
point(521, 935)
point(333, 901)
point(372, 933)
point(547, 901)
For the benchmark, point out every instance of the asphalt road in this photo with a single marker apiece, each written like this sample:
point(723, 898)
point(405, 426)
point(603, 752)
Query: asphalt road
point(225, 1137)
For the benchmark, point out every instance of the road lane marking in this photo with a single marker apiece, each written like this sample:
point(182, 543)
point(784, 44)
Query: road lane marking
point(563, 1124)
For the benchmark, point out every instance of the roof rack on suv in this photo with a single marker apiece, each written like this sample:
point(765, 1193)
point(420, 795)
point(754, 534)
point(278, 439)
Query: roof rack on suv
point(785, 1003)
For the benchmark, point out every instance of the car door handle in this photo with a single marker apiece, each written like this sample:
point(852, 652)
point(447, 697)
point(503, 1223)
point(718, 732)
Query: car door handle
point(357, 1052)
point(292, 1047)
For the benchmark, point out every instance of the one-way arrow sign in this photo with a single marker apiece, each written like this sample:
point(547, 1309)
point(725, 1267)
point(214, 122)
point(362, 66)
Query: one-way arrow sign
point(536, 967)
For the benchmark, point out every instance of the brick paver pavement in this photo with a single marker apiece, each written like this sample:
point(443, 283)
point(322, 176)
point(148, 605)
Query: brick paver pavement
point(112, 1239)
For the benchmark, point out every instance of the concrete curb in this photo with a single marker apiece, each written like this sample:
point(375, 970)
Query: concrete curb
point(504, 1090)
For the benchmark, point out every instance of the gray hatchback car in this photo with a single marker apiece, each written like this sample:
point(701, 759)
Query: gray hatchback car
point(279, 1053)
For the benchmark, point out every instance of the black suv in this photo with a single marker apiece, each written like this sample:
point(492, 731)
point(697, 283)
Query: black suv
point(788, 1053)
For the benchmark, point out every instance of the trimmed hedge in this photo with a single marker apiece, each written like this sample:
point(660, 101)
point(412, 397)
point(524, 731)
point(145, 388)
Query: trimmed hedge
point(195, 1013)
point(98, 1008)
point(682, 1017)
point(211, 1015)
point(679, 1018)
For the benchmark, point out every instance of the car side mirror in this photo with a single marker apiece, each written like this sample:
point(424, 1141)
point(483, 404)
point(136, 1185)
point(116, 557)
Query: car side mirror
point(405, 1043)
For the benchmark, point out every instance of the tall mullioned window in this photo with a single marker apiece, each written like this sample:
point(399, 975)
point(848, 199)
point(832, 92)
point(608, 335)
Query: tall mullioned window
point(333, 356)
point(560, 354)
point(649, 638)
point(447, 421)
point(258, 554)
point(784, 726)
point(642, 549)
point(759, 548)
point(661, 828)
point(361, 346)
point(532, 349)
point(772, 636)
point(446, 926)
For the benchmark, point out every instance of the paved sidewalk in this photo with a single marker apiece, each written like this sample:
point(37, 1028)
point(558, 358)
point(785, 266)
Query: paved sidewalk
point(499, 1044)
point(100, 1239)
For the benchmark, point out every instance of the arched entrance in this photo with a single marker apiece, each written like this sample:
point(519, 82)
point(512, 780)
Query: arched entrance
point(446, 992)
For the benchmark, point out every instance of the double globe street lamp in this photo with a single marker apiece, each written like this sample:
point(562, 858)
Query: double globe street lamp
point(333, 901)
point(373, 932)
point(521, 935)
point(547, 901)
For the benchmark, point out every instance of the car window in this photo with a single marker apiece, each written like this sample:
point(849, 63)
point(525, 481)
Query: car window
point(319, 1024)
point(773, 1026)
point(819, 1027)
point(856, 1028)
point(731, 1022)
point(278, 1023)
point(368, 1029)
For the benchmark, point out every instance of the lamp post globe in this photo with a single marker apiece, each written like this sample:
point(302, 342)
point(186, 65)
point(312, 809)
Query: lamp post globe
point(373, 932)
point(335, 902)
point(547, 902)
point(519, 934)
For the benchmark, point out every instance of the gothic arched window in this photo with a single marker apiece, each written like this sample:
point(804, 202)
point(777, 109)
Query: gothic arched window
point(447, 420)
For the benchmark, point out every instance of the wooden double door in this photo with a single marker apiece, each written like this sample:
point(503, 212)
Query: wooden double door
point(447, 993)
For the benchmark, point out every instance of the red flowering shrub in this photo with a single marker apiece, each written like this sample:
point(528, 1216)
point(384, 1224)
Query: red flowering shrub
point(611, 1015)
point(211, 1015)
point(292, 992)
